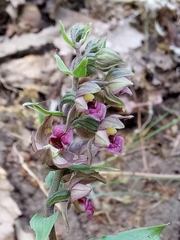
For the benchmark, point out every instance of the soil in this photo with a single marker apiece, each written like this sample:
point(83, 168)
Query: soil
point(127, 201)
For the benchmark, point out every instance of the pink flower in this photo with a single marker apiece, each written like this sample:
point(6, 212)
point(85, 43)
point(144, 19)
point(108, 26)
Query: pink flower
point(80, 190)
point(61, 139)
point(106, 135)
point(113, 143)
point(96, 110)
point(83, 205)
point(125, 90)
point(116, 145)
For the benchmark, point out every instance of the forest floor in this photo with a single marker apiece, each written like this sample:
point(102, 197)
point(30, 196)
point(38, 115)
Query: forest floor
point(146, 190)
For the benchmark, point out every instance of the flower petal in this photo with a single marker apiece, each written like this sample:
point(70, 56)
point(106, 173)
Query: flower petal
point(78, 191)
point(81, 104)
point(101, 139)
point(125, 90)
point(117, 144)
point(97, 110)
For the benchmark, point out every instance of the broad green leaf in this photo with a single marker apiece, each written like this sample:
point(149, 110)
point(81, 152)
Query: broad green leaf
point(149, 233)
point(81, 69)
point(59, 196)
point(62, 67)
point(65, 37)
point(68, 98)
point(42, 226)
point(49, 178)
point(89, 123)
point(36, 107)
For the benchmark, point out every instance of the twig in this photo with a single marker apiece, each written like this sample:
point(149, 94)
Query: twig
point(143, 175)
point(31, 173)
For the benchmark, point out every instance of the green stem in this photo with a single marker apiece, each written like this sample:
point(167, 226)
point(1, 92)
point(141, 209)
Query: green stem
point(50, 211)
point(75, 84)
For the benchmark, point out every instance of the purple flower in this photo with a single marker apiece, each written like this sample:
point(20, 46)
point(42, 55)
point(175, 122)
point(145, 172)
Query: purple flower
point(106, 135)
point(93, 108)
point(80, 190)
point(125, 90)
point(48, 147)
point(96, 110)
point(83, 205)
point(61, 139)
point(113, 142)
point(116, 145)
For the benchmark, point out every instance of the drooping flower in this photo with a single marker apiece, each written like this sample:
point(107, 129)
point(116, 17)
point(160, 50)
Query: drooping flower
point(85, 101)
point(83, 205)
point(61, 139)
point(80, 190)
point(54, 156)
point(118, 84)
point(107, 137)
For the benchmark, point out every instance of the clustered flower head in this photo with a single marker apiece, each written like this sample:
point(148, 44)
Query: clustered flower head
point(86, 114)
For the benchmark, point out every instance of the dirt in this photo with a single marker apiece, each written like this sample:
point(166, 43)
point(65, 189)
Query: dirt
point(127, 201)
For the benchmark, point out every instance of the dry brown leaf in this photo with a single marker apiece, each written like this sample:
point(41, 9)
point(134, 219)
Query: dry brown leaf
point(8, 208)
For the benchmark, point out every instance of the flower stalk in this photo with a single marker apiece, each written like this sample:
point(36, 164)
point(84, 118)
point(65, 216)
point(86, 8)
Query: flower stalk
point(84, 114)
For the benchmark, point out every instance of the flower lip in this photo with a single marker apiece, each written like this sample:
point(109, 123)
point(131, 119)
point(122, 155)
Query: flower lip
point(116, 145)
point(83, 205)
point(96, 110)
point(61, 139)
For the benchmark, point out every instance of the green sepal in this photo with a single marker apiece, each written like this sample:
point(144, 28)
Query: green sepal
point(59, 196)
point(93, 46)
point(88, 123)
point(112, 100)
point(148, 233)
point(42, 226)
point(65, 37)
point(118, 73)
point(62, 67)
point(81, 69)
point(68, 98)
point(37, 108)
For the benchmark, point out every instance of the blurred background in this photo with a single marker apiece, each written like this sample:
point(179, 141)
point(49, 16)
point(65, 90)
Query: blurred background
point(146, 190)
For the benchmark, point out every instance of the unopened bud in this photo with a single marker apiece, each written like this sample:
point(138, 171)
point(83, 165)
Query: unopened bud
point(106, 59)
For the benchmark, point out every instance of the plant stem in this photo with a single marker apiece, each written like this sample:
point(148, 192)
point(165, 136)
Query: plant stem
point(75, 84)
point(50, 210)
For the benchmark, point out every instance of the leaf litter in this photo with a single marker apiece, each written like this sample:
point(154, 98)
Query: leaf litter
point(146, 36)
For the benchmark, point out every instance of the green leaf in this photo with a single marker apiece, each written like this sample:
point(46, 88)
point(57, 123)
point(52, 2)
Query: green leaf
point(65, 37)
point(49, 178)
point(62, 67)
point(89, 123)
point(37, 108)
point(59, 196)
point(81, 69)
point(42, 226)
point(68, 98)
point(149, 233)
point(87, 168)
point(41, 117)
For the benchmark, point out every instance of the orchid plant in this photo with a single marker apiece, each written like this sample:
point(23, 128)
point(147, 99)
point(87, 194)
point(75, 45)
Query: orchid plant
point(86, 125)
